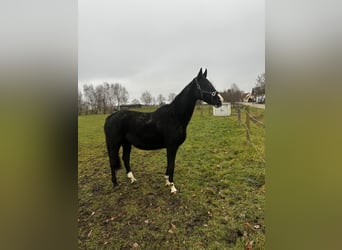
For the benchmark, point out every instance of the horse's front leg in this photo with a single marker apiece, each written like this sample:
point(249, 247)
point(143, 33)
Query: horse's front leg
point(171, 157)
point(126, 158)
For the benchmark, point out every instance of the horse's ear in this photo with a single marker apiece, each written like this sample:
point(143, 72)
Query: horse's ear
point(200, 73)
point(205, 73)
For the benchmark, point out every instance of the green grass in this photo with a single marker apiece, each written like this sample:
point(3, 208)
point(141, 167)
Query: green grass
point(219, 177)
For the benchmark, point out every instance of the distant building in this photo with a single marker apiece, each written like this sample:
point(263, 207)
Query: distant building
point(249, 98)
point(131, 106)
point(259, 94)
point(260, 99)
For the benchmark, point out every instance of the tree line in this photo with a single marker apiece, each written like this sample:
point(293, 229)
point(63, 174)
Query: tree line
point(102, 98)
point(108, 97)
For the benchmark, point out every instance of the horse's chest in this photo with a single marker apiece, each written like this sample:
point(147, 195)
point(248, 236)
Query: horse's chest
point(176, 136)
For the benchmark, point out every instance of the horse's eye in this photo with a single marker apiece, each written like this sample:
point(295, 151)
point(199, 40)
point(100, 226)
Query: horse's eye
point(213, 93)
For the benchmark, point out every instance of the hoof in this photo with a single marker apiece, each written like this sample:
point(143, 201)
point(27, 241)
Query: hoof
point(167, 182)
point(173, 188)
point(131, 177)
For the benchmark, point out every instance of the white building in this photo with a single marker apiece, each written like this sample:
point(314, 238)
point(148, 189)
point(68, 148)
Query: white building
point(224, 110)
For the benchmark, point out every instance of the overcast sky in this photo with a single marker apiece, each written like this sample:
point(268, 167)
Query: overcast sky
point(160, 45)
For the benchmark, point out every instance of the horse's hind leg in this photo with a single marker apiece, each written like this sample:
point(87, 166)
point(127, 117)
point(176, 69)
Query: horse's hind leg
point(114, 160)
point(126, 158)
point(115, 163)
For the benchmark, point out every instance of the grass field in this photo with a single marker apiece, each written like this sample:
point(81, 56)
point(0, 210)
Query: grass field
point(221, 190)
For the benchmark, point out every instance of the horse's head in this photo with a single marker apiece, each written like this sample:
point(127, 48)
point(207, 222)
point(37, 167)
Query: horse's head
point(206, 91)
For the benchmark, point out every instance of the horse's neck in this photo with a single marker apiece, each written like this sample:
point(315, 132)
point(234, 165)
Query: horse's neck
point(184, 105)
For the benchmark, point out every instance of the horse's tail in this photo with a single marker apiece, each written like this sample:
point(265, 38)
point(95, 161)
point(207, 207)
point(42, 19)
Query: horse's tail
point(110, 145)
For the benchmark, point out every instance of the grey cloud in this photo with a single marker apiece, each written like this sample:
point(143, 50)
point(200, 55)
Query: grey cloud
point(160, 45)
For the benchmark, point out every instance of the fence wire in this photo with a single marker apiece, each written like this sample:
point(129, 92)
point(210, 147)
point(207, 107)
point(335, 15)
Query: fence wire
point(257, 122)
point(253, 145)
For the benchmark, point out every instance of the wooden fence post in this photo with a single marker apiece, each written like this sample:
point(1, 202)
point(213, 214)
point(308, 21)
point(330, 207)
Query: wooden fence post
point(247, 124)
point(239, 115)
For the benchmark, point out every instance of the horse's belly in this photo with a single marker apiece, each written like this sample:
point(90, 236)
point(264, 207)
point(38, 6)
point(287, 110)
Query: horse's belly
point(149, 147)
point(146, 142)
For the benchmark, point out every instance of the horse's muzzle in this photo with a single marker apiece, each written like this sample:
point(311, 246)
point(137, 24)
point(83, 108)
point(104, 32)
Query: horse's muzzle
point(220, 101)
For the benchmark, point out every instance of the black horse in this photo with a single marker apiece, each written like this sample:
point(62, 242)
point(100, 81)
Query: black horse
point(163, 128)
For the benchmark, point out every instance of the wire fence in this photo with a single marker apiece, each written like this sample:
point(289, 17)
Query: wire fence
point(255, 120)
point(260, 126)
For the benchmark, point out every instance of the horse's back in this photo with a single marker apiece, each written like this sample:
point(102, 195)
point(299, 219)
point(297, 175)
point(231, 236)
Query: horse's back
point(124, 120)
point(114, 122)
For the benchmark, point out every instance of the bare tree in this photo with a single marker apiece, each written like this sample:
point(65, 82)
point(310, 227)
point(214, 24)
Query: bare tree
point(103, 97)
point(260, 84)
point(120, 93)
point(161, 99)
point(260, 81)
point(259, 90)
point(171, 97)
point(135, 101)
point(80, 102)
point(100, 99)
point(236, 93)
point(108, 97)
point(90, 98)
point(146, 98)
point(233, 94)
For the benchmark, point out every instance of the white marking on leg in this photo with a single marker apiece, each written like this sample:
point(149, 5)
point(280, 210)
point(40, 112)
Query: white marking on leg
point(167, 183)
point(221, 98)
point(173, 188)
point(131, 177)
